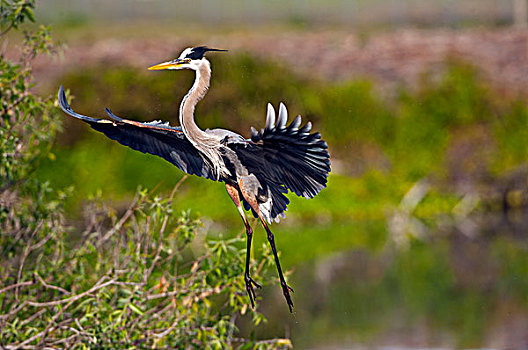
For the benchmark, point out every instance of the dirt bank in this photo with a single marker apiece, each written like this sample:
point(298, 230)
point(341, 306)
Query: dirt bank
point(389, 58)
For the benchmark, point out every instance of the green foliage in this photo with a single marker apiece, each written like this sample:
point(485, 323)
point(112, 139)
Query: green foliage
point(137, 279)
point(351, 113)
point(511, 134)
point(428, 119)
point(27, 128)
point(15, 12)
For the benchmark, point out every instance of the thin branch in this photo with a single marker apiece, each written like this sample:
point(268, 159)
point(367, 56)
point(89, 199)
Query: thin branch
point(16, 285)
point(165, 295)
point(69, 302)
point(79, 296)
point(201, 293)
point(158, 252)
point(162, 230)
point(27, 341)
point(15, 310)
point(70, 338)
point(26, 254)
point(34, 316)
point(9, 27)
point(168, 330)
point(41, 243)
point(52, 321)
point(74, 298)
point(124, 218)
point(231, 329)
point(46, 285)
point(177, 186)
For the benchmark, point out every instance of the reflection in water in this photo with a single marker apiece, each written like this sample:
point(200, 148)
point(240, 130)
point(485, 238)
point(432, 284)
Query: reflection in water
point(446, 289)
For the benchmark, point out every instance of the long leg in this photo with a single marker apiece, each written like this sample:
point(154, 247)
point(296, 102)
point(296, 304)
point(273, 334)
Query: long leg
point(233, 193)
point(251, 199)
point(285, 288)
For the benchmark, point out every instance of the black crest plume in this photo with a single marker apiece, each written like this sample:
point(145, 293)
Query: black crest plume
point(198, 52)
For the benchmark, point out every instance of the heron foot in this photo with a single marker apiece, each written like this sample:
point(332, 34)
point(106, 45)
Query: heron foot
point(286, 289)
point(250, 282)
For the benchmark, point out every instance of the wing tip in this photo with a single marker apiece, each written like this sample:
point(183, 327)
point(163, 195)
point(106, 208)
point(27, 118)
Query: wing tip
point(63, 101)
point(283, 116)
point(294, 125)
point(65, 106)
point(270, 117)
point(112, 115)
point(253, 132)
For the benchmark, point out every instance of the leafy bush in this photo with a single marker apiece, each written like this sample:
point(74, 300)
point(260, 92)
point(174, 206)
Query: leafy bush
point(138, 279)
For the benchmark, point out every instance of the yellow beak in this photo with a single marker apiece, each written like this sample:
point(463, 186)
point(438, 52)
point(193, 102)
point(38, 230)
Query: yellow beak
point(167, 65)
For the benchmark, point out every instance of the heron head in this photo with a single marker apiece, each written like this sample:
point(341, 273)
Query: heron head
point(190, 58)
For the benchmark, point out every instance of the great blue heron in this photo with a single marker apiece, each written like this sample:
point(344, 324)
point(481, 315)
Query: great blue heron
point(257, 172)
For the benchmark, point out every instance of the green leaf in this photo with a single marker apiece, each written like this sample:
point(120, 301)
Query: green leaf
point(136, 309)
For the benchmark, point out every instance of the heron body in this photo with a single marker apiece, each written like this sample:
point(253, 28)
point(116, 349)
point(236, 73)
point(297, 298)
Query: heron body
point(257, 172)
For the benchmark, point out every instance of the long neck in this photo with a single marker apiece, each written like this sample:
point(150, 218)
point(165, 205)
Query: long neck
point(205, 143)
point(201, 83)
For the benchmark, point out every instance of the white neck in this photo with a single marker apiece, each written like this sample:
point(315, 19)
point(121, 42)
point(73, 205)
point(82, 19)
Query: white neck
point(204, 142)
point(195, 94)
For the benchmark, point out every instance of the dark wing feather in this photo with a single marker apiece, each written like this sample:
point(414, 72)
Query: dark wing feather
point(286, 156)
point(155, 138)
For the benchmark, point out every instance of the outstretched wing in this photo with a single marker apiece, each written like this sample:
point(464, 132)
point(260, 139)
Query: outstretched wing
point(155, 138)
point(286, 156)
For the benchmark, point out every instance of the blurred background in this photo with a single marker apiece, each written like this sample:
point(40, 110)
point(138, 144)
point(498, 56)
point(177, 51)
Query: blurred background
point(420, 238)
